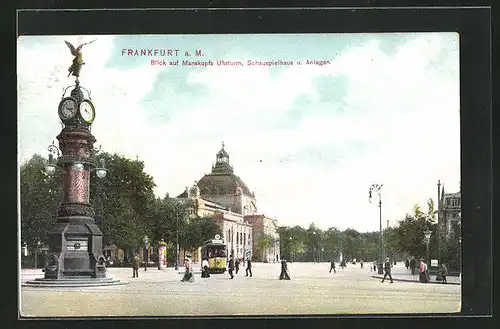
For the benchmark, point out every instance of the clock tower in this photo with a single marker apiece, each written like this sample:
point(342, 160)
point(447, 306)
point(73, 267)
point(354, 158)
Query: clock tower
point(75, 241)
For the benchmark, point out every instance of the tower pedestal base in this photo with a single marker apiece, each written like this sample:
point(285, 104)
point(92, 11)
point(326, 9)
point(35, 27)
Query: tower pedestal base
point(73, 282)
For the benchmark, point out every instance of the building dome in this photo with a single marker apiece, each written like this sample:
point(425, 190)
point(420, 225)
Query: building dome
point(222, 184)
point(222, 179)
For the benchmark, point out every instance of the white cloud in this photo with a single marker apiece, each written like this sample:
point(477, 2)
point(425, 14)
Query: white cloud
point(403, 107)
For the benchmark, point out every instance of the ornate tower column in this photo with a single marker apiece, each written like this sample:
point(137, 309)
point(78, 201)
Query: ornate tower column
point(76, 241)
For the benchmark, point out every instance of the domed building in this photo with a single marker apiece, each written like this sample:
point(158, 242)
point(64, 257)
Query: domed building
point(224, 196)
point(227, 189)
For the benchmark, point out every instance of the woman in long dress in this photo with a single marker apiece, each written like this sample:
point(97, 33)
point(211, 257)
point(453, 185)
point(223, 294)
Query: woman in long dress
point(188, 275)
point(284, 271)
point(204, 269)
point(423, 276)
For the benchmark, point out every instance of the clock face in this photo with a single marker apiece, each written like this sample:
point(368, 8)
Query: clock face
point(87, 111)
point(67, 108)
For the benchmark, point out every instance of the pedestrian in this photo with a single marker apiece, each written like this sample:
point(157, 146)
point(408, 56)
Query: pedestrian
point(231, 267)
point(413, 265)
point(237, 265)
point(249, 267)
point(342, 264)
point(361, 262)
point(423, 272)
point(204, 269)
point(332, 266)
point(407, 263)
point(387, 268)
point(135, 266)
point(188, 274)
point(284, 275)
point(444, 272)
point(374, 266)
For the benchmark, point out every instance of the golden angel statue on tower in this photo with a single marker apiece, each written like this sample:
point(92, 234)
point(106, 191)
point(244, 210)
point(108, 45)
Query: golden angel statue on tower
point(75, 68)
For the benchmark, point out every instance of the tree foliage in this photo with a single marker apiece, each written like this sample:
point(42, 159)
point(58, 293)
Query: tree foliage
point(197, 231)
point(122, 200)
point(409, 234)
point(262, 243)
point(40, 195)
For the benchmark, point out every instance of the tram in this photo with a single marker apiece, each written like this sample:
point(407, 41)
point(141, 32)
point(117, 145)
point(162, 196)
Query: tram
point(215, 251)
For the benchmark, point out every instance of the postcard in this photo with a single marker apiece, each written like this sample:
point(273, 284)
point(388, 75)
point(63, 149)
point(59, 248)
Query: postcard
point(239, 174)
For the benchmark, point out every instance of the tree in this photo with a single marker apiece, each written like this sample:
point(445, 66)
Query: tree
point(40, 195)
point(370, 246)
point(198, 231)
point(122, 200)
point(332, 242)
point(312, 241)
point(409, 234)
point(352, 243)
point(262, 243)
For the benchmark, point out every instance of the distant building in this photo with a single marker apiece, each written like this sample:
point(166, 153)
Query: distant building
point(449, 208)
point(263, 227)
point(228, 200)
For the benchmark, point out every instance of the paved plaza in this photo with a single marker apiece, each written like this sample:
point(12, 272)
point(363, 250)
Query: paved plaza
point(311, 290)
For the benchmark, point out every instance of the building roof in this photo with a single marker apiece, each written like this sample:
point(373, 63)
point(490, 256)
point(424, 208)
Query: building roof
point(221, 180)
point(222, 184)
point(452, 195)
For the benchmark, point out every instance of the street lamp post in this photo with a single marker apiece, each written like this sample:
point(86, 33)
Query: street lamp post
point(36, 253)
point(378, 188)
point(232, 241)
point(460, 258)
point(427, 235)
point(177, 243)
point(314, 247)
point(146, 248)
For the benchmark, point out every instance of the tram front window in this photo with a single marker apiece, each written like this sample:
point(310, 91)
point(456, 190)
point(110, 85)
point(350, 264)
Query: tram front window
point(217, 252)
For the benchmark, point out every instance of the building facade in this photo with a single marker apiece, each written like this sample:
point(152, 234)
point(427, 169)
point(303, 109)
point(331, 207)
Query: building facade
point(264, 228)
point(449, 213)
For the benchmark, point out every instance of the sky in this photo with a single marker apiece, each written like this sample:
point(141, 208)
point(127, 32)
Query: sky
point(308, 139)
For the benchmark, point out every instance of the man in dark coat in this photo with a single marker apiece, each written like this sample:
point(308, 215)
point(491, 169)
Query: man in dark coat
point(343, 263)
point(249, 267)
point(135, 266)
point(284, 271)
point(332, 266)
point(444, 272)
point(413, 265)
point(387, 269)
point(231, 267)
point(237, 265)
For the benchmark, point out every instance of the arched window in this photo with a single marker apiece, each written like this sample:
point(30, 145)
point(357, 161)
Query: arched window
point(237, 237)
point(244, 239)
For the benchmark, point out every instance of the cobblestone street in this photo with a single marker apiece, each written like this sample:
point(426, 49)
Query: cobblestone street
point(312, 290)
